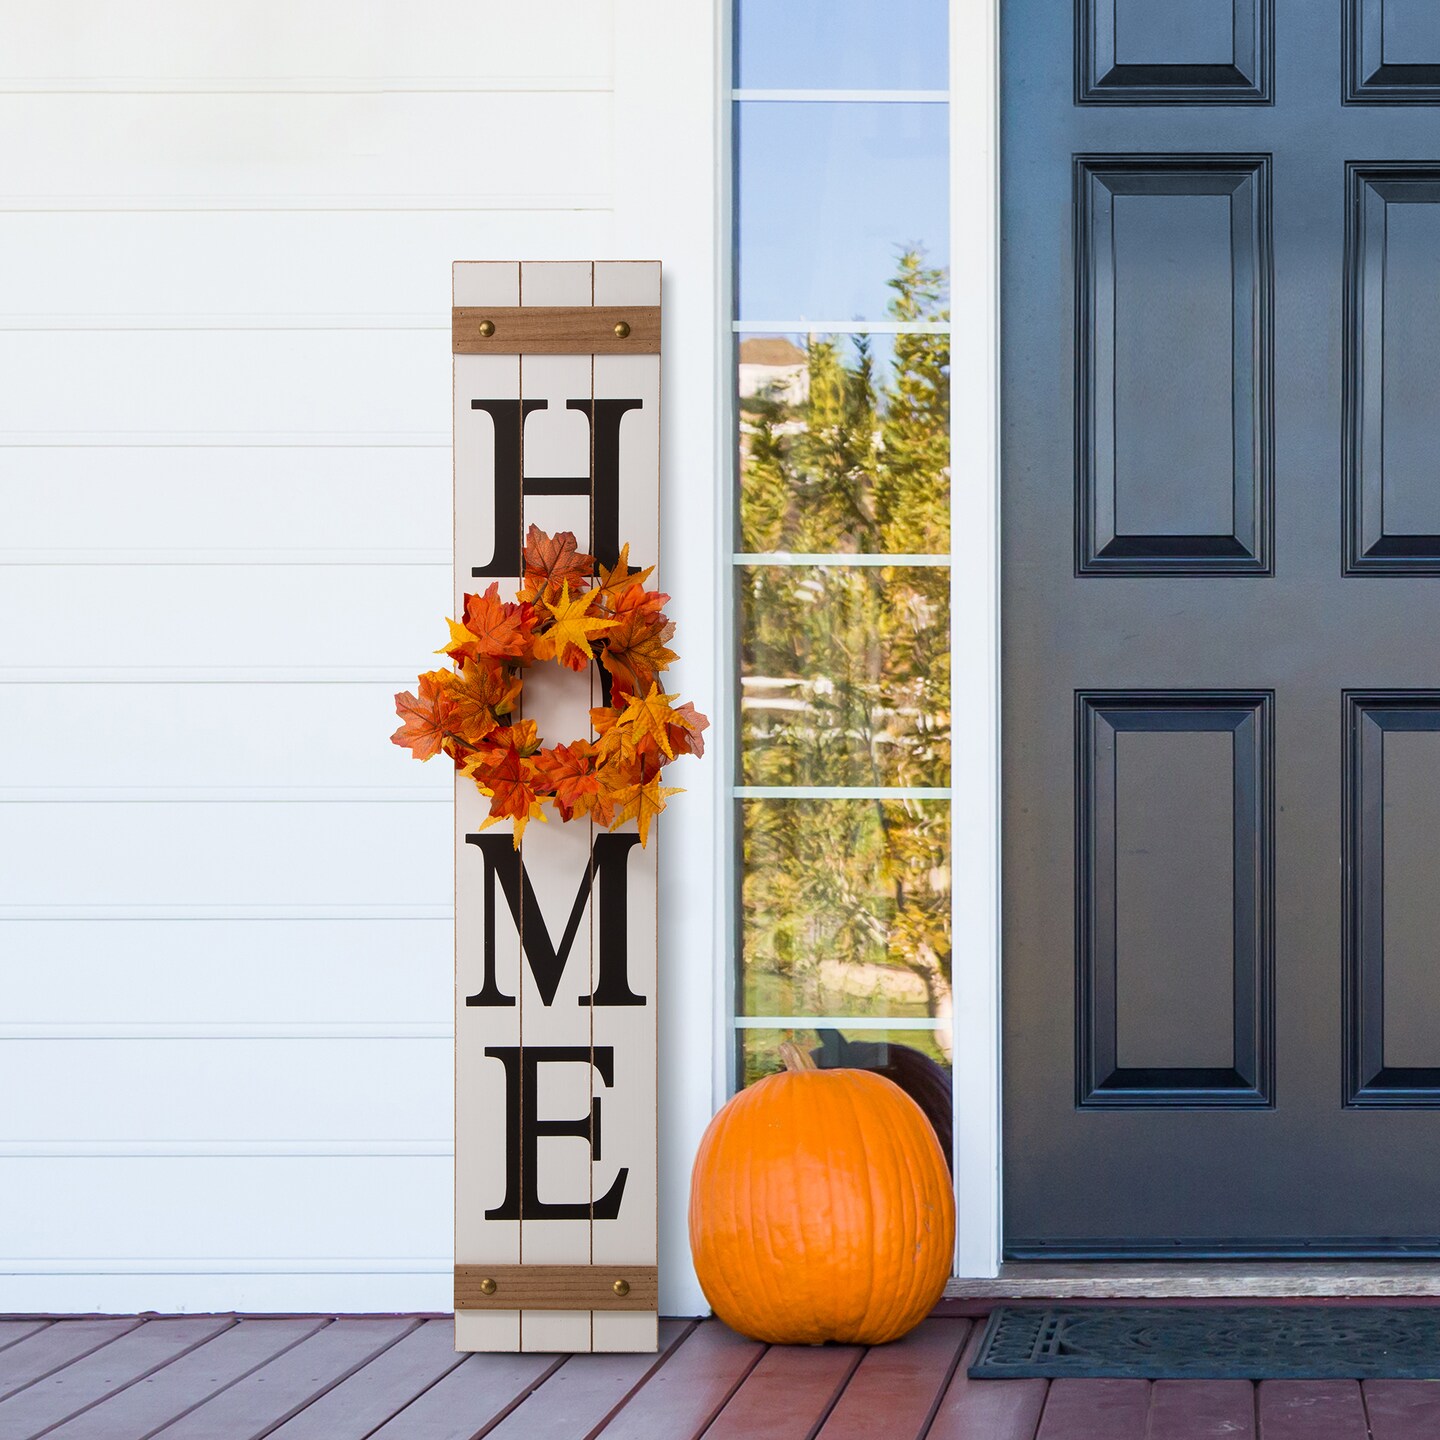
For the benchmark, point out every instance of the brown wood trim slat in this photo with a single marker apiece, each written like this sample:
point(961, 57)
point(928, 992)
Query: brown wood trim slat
point(555, 330)
point(557, 1287)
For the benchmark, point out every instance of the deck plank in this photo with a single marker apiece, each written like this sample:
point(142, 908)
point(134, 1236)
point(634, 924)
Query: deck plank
point(270, 1395)
point(689, 1390)
point(1095, 1410)
point(901, 1381)
point(1200, 1409)
point(1311, 1410)
point(788, 1393)
point(54, 1347)
point(13, 1330)
point(481, 1389)
point(358, 1406)
point(578, 1398)
point(95, 1377)
point(987, 1409)
point(1402, 1409)
point(143, 1408)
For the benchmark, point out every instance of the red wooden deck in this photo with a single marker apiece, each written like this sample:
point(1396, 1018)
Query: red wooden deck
point(397, 1378)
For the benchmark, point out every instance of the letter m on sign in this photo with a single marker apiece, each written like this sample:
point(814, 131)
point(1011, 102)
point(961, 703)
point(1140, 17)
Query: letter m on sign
point(557, 424)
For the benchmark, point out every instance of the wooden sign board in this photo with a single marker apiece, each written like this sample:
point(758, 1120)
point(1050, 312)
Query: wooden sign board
point(557, 424)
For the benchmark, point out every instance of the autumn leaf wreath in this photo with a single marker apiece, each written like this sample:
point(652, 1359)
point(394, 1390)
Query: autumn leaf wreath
point(473, 712)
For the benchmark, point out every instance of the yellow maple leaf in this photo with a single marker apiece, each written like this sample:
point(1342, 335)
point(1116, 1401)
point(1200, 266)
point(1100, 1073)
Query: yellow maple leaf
point(462, 642)
point(642, 803)
point(618, 578)
point(573, 624)
point(651, 716)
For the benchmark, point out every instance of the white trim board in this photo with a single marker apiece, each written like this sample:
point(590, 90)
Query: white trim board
point(975, 627)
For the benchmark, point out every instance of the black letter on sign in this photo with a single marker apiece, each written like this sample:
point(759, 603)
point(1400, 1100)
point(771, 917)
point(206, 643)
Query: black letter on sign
point(605, 417)
point(509, 417)
point(547, 960)
point(524, 1130)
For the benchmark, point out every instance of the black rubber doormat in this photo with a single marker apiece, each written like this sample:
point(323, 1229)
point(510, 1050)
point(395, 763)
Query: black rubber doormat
point(1230, 1342)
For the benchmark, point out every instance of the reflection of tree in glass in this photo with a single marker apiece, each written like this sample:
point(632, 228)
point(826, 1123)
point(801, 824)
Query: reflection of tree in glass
point(846, 670)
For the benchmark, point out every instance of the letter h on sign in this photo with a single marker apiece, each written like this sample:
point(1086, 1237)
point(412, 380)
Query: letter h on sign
point(556, 406)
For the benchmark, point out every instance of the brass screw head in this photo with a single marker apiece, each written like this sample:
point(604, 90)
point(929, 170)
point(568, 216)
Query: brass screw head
point(487, 329)
point(622, 330)
point(621, 1287)
point(487, 1285)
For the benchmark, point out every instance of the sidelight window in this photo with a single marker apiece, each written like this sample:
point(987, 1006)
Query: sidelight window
point(842, 530)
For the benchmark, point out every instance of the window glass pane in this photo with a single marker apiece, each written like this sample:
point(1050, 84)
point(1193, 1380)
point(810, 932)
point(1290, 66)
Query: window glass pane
point(828, 197)
point(834, 1045)
point(845, 440)
point(846, 908)
point(844, 675)
point(841, 44)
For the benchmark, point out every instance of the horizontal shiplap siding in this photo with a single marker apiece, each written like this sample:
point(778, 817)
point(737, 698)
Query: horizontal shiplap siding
point(225, 900)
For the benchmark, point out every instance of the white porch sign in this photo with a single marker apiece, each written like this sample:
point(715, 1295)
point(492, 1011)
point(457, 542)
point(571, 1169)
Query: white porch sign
point(557, 424)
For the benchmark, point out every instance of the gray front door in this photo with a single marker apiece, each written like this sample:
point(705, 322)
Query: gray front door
point(1221, 545)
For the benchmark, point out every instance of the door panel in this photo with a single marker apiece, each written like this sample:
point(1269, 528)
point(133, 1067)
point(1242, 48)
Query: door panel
point(1221, 550)
point(1178, 52)
point(1173, 863)
point(1174, 348)
point(1392, 500)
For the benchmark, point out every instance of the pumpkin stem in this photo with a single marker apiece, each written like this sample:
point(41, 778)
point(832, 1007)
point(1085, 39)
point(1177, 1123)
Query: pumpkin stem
point(796, 1058)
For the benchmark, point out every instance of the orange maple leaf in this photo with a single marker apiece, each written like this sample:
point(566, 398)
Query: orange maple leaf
point(552, 561)
point(635, 652)
point(476, 693)
point(619, 577)
point(423, 732)
point(503, 768)
point(636, 599)
point(568, 772)
point(499, 629)
point(686, 739)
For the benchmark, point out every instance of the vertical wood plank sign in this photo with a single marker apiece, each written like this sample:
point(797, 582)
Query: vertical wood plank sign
point(557, 424)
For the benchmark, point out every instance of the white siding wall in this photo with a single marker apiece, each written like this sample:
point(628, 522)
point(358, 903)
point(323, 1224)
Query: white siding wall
point(225, 899)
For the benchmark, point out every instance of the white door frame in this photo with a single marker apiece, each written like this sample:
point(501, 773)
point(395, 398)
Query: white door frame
point(672, 169)
point(975, 626)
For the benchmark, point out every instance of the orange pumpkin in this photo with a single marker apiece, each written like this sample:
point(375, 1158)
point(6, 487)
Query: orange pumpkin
point(821, 1209)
